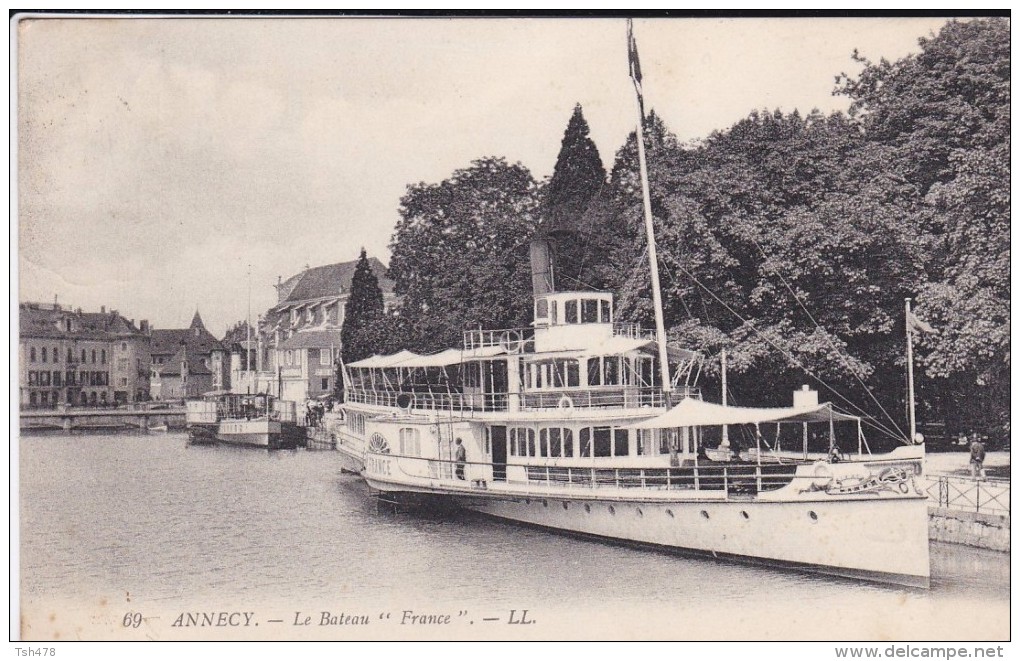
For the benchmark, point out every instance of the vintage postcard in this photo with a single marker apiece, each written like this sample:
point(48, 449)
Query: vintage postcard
point(390, 328)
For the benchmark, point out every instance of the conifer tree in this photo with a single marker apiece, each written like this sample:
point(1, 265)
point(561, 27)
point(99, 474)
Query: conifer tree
point(577, 177)
point(363, 314)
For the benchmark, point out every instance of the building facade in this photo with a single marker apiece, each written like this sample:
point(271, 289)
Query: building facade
point(72, 358)
point(187, 362)
point(297, 341)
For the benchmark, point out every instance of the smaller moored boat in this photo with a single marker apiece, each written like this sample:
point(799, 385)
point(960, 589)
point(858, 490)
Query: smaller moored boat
point(260, 421)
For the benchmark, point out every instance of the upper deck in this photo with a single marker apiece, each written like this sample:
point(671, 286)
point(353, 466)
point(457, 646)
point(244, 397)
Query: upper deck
point(575, 355)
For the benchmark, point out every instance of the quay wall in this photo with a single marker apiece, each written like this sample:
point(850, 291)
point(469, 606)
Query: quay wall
point(980, 529)
point(97, 419)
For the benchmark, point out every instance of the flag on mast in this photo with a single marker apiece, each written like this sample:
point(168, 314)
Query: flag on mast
point(635, 65)
point(917, 324)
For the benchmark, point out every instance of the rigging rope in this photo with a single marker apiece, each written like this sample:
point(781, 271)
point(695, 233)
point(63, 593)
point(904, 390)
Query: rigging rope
point(828, 339)
point(788, 355)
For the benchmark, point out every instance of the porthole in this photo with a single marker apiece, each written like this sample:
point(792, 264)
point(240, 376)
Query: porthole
point(704, 514)
point(612, 510)
point(566, 505)
point(587, 508)
point(527, 501)
point(744, 514)
point(814, 517)
point(545, 503)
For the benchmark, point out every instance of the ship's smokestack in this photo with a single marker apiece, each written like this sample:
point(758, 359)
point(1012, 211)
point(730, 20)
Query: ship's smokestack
point(542, 281)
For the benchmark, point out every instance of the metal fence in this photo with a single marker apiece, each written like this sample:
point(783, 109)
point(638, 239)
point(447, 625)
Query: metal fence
point(968, 494)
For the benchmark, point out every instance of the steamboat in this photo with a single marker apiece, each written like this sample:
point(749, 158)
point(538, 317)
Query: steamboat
point(582, 424)
point(259, 421)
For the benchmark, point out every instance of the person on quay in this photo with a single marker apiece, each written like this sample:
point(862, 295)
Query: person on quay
point(460, 456)
point(977, 458)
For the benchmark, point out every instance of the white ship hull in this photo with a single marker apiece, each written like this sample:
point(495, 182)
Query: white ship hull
point(878, 531)
point(877, 540)
point(254, 433)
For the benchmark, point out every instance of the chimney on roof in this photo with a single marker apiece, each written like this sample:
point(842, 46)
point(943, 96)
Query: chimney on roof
point(102, 309)
point(56, 306)
point(143, 326)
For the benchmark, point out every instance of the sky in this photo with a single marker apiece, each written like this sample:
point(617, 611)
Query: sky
point(166, 166)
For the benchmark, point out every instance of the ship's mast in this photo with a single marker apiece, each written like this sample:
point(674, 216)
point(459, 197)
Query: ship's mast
point(910, 376)
point(660, 325)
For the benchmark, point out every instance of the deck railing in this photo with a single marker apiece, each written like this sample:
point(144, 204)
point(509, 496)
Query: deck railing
point(625, 397)
point(513, 340)
point(728, 481)
point(622, 397)
point(632, 330)
point(428, 401)
point(968, 494)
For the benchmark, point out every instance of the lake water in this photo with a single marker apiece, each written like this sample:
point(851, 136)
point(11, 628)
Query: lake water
point(113, 525)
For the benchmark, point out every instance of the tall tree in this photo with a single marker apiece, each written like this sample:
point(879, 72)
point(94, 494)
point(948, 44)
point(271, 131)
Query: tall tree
point(363, 314)
point(577, 177)
point(939, 121)
point(460, 253)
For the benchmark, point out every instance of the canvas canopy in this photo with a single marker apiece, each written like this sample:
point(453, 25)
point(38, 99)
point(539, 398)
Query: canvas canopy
point(409, 359)
point(696, 413)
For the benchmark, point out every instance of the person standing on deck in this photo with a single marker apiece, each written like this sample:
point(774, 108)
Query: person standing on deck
point(460, 455)
point(977, 458)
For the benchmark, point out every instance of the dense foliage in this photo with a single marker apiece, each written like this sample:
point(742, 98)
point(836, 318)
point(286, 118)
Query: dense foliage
point(460, 253)
point(789, 240)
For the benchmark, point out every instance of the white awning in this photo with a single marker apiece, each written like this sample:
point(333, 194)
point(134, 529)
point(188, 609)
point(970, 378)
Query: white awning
point(409, 359)
point(696, 413)
point(378, 362)
point(612, 346)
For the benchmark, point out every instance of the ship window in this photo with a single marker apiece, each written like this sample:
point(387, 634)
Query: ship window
point(44, 378)
point(31, 398)
point(573, 373)
point(570, 311)
point(667, 437)
point(644, 441)
point(56, 355)
point(410, 442)
point(620, 448)
point(589, 311)
point(44, 398)
point(594, 372)
point(612, 371)
point(83, 356)
point(44, 354)
point(324, 357)
point(605, 316)
point(552, 312)
point(541, 308)
point(522, 442)
point(543, 443)
point(103, 356)
point(70, 356)
point(603, 444)
point(357, 424)
point(56, 378)
point(568, 442)
point(585, 439)
point(472, 375)
point(555, 442)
